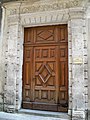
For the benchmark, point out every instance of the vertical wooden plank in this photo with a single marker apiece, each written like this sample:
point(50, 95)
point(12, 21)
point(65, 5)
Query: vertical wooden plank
point(57, 74)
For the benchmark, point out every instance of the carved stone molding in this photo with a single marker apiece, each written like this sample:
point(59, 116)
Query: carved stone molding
point(49, 7)
point(41, 5)
point(46, 17)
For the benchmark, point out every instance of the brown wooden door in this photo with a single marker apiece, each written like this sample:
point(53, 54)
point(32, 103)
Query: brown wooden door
point(45, 68)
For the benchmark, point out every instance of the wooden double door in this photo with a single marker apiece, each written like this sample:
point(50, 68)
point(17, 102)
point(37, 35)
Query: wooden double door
point(45, 68)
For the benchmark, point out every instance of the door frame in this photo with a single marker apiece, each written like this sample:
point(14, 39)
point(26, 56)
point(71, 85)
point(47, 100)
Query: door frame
point(69, 48)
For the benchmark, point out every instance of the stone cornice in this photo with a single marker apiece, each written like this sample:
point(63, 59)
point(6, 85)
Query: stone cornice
point(41, 5)
point(47, 17)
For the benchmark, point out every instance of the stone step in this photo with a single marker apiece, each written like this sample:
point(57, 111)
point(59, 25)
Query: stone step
point(28, 116)
point(63, 116)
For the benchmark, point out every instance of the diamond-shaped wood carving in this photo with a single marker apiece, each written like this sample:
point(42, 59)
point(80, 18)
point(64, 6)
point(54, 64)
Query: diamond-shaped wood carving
point(45, 35)
point(44, 73)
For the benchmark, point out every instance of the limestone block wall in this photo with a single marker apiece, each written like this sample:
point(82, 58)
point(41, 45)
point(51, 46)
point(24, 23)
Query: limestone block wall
point(89, 62)
point(88, 46)
point(1, 80)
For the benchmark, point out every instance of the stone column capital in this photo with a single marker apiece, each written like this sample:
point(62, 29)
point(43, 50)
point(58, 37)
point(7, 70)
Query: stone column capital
point(78, 13)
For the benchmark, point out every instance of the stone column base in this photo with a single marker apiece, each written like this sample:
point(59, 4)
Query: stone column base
point(9, 108)
point(79, 115)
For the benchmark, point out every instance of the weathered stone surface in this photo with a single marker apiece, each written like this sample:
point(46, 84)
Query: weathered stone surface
point(1, 82)
point(21, 116)
point(89, 61)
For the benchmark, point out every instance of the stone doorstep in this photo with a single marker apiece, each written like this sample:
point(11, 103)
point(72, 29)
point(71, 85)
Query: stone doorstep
point(45, 113)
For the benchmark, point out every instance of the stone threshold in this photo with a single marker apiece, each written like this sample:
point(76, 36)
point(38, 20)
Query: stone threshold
point(45, 113)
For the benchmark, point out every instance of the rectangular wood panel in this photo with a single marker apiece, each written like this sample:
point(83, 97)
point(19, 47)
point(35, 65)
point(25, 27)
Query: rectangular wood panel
point(45, 34)
point(27, 73)
point(63, 76)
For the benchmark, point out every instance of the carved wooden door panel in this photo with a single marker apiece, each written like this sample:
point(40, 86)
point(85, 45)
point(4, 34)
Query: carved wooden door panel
point(45, 78)
point(45, 69)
